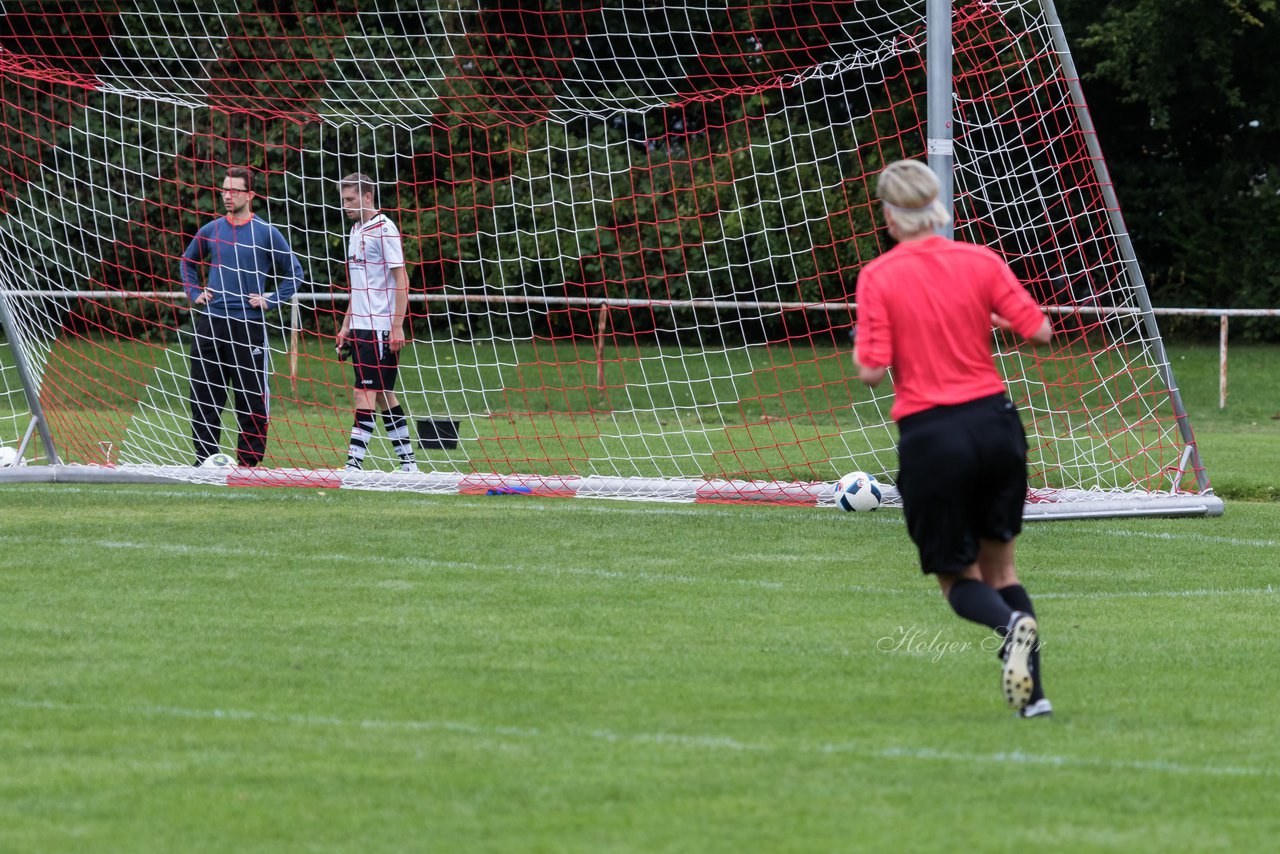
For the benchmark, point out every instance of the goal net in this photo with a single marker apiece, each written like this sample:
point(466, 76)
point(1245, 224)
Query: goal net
point(632, 233)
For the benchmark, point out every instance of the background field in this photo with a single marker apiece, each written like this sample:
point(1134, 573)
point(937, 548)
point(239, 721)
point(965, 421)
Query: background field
point(184, 668)
point(753, 413)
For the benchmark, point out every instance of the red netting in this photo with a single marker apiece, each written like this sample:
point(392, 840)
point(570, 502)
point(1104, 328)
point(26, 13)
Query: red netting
point(631, 235)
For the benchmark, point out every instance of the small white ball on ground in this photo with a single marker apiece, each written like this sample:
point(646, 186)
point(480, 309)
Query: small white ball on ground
point(217, 461)
point(8, 457)
point(858, 492)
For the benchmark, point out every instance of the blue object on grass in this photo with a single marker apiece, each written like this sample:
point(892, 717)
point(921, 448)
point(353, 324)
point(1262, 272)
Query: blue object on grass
point(509, 490)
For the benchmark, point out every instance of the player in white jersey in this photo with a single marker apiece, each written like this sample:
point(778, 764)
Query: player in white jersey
point(372, 331)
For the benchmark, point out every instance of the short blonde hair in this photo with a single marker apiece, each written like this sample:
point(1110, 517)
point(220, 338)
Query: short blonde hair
point(910, 190)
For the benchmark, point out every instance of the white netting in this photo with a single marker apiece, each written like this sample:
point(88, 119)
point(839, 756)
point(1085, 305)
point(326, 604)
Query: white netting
point(633, 232)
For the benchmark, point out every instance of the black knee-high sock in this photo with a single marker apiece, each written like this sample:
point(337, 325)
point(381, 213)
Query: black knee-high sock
point(978, 602)
point(398, 432)
point(1017, 598)
point(361, 429)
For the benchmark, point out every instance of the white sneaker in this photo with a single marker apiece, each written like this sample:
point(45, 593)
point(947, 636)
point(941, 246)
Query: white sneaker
point(1041, 708)
point(408, 467)
point(1015, 676)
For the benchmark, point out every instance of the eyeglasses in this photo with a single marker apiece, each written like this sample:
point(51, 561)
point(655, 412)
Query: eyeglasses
point(227, 192)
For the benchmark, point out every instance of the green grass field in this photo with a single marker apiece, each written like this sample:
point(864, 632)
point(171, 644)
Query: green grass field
point(198, 669)
point(258, 670)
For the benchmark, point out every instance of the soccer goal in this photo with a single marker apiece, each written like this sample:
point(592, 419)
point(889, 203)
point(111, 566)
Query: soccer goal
point(632, 233)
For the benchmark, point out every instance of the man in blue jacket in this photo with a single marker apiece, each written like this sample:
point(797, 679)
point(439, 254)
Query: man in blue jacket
point(239, 252)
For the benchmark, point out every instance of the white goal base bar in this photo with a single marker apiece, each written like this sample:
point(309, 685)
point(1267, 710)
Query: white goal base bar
point(1041, 505)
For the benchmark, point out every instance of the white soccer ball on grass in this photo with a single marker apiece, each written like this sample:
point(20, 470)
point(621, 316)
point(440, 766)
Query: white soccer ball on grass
point(8, 457)
point(217, 461)
point(858, 492)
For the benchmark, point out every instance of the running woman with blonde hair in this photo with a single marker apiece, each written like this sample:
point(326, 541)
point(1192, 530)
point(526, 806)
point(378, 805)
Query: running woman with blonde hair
point(926, 308)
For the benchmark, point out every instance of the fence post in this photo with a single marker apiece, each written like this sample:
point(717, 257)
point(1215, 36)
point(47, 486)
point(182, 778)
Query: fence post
point(1222, 362)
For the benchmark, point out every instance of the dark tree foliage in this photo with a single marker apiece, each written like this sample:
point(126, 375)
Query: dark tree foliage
point(1187, 108)
point(1181, 91)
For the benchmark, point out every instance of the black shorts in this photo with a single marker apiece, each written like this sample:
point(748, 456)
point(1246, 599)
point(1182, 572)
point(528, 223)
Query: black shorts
point(376, 367)
point(963, 478)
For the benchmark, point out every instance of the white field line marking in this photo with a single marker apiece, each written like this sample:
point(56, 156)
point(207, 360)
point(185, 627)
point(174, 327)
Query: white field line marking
point(605, 506)
point(160, 548)
point(158, 492)
point(1159, 594)
point(678, 740)
point(1018, 757)
point(259, 554)
point(1193, 536)
point(495, 503)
